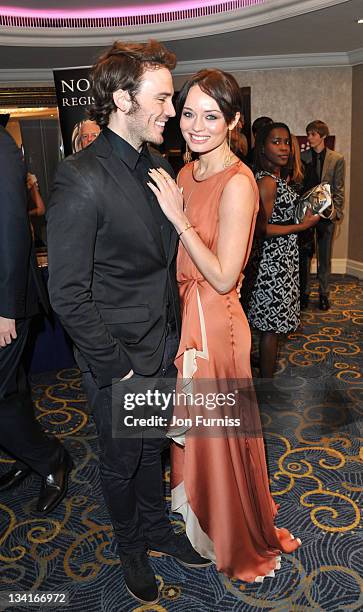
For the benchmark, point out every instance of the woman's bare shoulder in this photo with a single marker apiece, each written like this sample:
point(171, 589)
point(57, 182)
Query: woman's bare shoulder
point(267, 184)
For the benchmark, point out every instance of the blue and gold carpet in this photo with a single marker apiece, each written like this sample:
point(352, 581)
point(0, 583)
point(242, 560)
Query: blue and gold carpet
point(315, 457)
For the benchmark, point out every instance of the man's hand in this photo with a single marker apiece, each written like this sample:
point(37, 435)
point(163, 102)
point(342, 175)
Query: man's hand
point(7, 331)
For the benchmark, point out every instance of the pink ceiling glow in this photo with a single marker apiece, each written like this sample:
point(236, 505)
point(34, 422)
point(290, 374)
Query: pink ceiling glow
point(120, 16)
point(126, 11)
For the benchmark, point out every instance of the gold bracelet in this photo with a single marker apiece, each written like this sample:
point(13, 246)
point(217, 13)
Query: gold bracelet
point(188, 226)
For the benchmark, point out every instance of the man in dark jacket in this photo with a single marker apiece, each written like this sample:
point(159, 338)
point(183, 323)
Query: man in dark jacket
point(112, 282)
point(20, 292)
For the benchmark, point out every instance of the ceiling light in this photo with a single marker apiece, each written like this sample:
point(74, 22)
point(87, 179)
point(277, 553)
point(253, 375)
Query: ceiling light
point(19, 109)
point(21, 112)
point(165, 12)
point(359, 20)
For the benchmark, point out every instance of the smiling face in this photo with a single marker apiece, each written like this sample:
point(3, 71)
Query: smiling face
point(277, 148)
point(145, 120)
point(202, 123)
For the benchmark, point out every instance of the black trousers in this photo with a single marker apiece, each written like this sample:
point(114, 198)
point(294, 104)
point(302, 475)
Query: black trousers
point(20, 433)
point(131, 469)
point(324, 232)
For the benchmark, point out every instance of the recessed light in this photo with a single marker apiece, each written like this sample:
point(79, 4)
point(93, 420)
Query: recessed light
point(359, 20)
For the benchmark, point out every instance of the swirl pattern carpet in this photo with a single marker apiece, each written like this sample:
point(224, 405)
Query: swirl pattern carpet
point(314, 445)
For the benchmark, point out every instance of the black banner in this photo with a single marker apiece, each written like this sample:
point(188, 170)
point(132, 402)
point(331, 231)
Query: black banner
point(73, 91)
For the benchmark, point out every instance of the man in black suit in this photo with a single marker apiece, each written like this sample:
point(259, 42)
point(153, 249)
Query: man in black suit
point(20, 293)
point(112, 282)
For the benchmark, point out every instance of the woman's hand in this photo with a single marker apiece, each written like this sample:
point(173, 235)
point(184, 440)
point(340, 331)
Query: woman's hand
point(169, 196)
point(239, 286)
point(310, 220)
point(31, 180)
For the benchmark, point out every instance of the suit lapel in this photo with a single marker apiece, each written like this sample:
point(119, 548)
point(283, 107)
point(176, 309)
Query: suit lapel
point(327, 164)
point(134, 195)
point(172, 246)
point(172, 234)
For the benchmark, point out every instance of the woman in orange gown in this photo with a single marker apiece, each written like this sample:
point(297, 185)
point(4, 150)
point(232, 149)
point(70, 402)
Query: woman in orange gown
point(219, 478)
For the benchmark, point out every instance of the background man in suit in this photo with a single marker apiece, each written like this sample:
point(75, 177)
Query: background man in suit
point(20, 291)
point(321, 165)
point(112, 282)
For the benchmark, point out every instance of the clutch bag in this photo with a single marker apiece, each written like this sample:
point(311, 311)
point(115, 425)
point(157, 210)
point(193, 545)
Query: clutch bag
point(319, 200)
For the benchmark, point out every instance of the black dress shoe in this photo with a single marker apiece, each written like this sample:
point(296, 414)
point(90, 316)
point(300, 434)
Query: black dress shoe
point(179, 547)
point(139, 577)
point(323, 303)
point(304, 301)
point(14, 477)
point(54, 486)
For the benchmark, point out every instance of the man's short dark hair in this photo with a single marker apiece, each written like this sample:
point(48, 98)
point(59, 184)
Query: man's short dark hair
point(122, 67)
point(318, 126)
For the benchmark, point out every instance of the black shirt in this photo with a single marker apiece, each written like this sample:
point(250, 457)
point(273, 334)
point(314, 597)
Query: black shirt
point(139, 164)
point(318, 163)
point(313, 170)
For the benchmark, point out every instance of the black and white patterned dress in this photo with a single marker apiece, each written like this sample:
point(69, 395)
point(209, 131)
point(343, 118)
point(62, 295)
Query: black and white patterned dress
point(273, 300)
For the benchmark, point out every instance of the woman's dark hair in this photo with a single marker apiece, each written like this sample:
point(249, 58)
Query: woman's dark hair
point(219, 85)
point(122, 67)
point(260, 160)
point(259, 123)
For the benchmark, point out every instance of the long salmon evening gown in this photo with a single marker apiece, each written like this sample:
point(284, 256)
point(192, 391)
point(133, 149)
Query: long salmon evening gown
point(220, 482)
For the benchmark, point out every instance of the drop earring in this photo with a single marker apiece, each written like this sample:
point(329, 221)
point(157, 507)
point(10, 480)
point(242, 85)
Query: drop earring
point(227, 152)
point(187, 157)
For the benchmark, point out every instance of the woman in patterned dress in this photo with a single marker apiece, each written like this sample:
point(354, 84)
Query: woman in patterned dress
point(219, 479)
point(273, 304)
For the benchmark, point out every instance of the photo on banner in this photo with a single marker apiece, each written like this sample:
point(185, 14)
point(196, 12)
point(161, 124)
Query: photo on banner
point(73, 91)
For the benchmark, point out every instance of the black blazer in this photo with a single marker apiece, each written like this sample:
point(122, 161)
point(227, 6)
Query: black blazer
point(20, 283)
point(109, 276)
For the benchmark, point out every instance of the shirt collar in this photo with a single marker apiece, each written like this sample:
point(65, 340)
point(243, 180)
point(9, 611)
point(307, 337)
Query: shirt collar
point(124, 150)
point(321, 154)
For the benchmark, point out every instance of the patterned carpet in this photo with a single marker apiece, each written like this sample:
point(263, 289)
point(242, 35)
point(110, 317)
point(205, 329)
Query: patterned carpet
point(315, 463)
